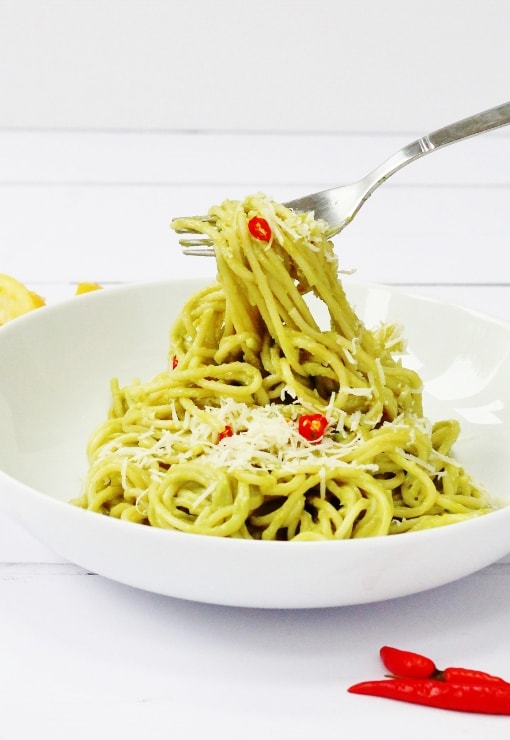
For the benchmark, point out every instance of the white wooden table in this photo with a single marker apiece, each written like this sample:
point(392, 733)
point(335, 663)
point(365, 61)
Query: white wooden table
point(82, 657)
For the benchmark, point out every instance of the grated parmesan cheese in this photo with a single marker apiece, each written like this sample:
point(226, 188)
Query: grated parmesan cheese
point(264, 438)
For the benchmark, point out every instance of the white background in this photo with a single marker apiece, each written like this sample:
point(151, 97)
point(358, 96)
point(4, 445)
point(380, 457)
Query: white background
point(116, 116)
point(278, 65)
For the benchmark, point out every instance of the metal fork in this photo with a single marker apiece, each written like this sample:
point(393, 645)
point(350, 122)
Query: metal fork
point(339, 205)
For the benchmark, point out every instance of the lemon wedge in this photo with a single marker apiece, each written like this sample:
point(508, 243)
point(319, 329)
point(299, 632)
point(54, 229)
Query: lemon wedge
point(87, 287)
point(16, 299)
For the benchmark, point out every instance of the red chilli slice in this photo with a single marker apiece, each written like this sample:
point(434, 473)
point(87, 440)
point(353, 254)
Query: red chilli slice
point(259, 228)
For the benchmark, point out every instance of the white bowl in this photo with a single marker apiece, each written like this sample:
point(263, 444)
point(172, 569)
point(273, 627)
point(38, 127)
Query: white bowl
point(55, 368)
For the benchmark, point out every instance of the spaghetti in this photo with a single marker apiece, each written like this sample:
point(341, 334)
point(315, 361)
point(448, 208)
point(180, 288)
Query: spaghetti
point(267, 426)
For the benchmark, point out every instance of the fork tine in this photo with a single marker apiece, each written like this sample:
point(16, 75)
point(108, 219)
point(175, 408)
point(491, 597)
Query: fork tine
point(201, 246)
point(202, 241)
point(196, 250)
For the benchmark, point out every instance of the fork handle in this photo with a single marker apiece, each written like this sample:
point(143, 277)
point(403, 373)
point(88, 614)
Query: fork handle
point(479, 123)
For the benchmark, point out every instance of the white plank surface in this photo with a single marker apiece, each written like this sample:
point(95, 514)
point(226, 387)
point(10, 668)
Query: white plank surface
point(98, 206)
point(83, 657)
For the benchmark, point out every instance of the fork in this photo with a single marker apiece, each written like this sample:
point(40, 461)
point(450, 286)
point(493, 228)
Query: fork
point(338, 206)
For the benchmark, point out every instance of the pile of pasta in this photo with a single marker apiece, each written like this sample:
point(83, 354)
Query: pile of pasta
point(266, 425)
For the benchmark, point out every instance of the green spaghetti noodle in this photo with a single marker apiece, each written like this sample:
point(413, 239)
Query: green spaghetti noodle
point(218, 442)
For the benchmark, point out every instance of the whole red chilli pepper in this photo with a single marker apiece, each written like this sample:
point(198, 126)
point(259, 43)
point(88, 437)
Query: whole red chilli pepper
point(482, 698)
point(407, 664)
point(468, 675)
